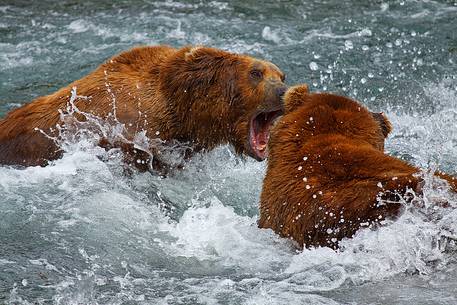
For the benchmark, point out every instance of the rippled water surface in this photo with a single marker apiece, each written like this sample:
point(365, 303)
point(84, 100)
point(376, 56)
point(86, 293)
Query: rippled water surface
point(82, 232)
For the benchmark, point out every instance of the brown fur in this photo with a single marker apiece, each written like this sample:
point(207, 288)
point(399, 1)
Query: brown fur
point(327, 174)
point(201, 96)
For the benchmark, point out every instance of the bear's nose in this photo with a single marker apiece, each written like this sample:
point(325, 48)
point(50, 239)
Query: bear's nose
point(281, 91)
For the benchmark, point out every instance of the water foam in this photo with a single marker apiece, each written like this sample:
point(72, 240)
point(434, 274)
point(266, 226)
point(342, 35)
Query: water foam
point(215, 233)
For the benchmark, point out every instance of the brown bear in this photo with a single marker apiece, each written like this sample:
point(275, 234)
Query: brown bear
point(199, 96)
point(327, 174)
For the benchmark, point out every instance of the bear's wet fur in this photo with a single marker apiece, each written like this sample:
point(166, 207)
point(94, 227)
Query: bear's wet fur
point(199, 96)
point(327, 173)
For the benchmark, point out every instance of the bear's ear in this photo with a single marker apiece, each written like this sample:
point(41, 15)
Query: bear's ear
point(385, 124)
point(192, 53)
point(209, 67)
point(202, 54)
point(294, 97)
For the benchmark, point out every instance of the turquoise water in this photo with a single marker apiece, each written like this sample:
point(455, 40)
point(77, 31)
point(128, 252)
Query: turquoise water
point(81, 232)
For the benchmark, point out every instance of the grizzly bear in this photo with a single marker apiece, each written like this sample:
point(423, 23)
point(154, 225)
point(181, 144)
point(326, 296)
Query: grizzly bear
point(327, 172)
point(199, 97)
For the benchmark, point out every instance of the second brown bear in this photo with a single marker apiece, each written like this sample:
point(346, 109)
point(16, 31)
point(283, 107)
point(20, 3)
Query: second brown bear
point(327, 172)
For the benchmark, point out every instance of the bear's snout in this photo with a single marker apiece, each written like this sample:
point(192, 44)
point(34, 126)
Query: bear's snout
point(280, 91)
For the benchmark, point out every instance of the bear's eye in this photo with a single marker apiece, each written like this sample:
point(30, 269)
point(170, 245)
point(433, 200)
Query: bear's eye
point(283, 77)
point(256, 74)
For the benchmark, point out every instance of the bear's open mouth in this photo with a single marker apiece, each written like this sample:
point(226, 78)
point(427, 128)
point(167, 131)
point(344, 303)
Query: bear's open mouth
point(259, 132)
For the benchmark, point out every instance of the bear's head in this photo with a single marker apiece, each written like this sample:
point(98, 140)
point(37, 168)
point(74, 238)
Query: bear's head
point(218, 97)
point(308, 115)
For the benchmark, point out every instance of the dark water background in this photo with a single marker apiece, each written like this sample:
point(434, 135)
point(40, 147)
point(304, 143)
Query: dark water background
point(80, 232)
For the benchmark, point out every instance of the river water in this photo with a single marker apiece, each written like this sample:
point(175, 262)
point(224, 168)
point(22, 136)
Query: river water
point(80, 231)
